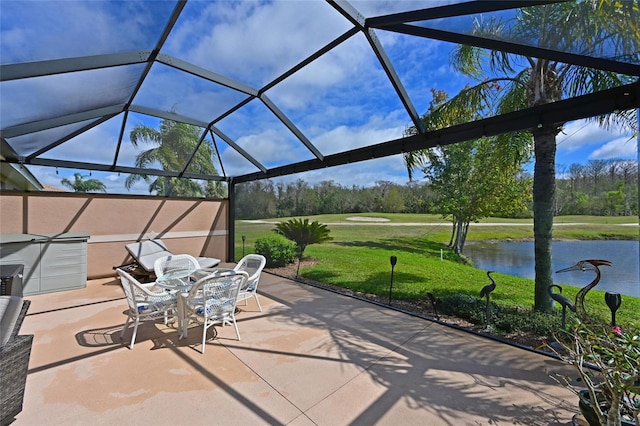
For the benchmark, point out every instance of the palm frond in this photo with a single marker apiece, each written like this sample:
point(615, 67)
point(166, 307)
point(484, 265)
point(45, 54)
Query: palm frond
point(303, 232)
point(144, 134)
point(133, 179)
point(468, 60)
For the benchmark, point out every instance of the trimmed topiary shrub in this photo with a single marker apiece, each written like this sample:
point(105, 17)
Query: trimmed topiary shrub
point(278, 250)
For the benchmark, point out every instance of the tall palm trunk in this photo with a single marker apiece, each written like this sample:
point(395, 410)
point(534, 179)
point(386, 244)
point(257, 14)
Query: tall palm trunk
point(544, 193)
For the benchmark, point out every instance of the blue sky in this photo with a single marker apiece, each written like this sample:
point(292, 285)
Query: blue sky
point(341, 101)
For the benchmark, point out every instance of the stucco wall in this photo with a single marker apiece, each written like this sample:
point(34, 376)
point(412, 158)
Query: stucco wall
point(195, 226)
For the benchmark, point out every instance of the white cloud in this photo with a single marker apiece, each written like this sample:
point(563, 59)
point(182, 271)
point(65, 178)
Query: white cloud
point(364, 174)
point(582, 133)
point(348, 69)
point(269, 146)
point(97, 145)
point(618, 148)
point(63, 94)
point(383, 7)
point(58, 29)
point(254, 42)
point(344, 138)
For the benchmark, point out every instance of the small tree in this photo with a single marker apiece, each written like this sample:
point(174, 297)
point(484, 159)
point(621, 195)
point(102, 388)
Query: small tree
point(303, 233)
point(472, 179)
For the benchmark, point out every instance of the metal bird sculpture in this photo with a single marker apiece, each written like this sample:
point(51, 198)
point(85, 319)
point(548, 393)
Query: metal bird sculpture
point(562, 300)
point(586, 265)
point(486, 292)
point(489, 287)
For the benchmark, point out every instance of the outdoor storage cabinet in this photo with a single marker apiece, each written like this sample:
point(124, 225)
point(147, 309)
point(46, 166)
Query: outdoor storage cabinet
point(11, 280)
point(52, 262)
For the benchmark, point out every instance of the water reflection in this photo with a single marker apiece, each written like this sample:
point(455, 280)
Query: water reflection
point(517, 258)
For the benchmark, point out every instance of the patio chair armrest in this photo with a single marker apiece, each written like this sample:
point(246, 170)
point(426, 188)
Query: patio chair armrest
point(23, 313)
point(14, 364)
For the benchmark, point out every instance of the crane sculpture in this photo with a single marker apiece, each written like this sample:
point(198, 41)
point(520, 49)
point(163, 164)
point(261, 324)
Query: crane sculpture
point(586, 265)
point(486, 292)
point(562, 300)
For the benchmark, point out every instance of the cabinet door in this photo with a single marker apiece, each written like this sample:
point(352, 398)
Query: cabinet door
point(64, 265)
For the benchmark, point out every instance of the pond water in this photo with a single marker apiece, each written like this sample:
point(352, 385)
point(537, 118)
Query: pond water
point(517, 259)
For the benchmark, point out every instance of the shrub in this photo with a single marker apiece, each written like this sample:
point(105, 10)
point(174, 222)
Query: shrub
point(278, 250)
point(505, 319)
point(512, 319)
point(464, 306)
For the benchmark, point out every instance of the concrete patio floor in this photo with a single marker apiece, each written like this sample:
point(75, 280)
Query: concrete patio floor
point(312, 357)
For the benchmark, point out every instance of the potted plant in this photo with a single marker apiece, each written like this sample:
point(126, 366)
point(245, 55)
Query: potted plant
point(607, 360)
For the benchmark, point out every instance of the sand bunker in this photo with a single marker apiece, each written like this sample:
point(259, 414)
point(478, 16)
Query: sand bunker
point(368, 219)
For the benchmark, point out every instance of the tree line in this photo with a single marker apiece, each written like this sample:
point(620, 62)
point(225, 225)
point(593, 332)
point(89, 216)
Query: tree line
point(599, 187)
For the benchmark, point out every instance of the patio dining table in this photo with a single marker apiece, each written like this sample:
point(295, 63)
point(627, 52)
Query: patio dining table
point(181, 281)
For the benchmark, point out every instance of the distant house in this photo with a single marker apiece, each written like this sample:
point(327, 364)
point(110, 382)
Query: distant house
point(16, 177)
point(50, 188)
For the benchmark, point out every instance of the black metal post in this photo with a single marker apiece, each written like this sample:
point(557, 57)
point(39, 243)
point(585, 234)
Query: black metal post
point(393, 260)
point(244, 238)
point(613, 301)
point(488, 311)
point(564, 317)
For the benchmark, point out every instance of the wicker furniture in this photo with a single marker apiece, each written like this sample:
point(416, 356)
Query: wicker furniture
point(146, 303)
point(14, 363)
point(175, 262)
point(212, 300)
point(252, 264)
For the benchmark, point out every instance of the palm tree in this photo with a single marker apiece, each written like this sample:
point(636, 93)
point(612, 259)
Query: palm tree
point(509, 82)
point(81, 185)
point(175, 143)
point(303, 233)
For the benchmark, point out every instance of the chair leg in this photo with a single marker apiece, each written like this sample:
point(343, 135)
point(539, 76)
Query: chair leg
point(257, 301)
point(170, 316)
point(135, 331)
point(236, 326)
point(124, 327)
point(204, 333)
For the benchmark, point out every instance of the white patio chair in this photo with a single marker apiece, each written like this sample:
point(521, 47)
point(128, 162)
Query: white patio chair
point(174, 262)
point(146, 302)
point(212, 300)
point(252, 264)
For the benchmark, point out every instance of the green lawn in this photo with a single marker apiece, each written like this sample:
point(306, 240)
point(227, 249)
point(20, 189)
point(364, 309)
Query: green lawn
point(358, 256)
